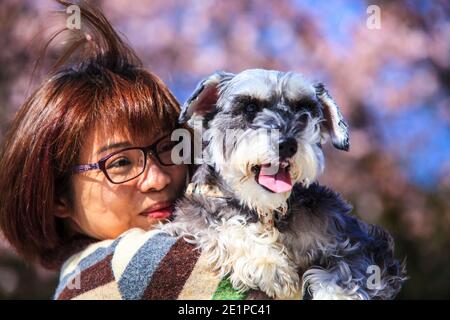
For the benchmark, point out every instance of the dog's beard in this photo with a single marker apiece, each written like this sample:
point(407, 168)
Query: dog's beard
point(240, 156)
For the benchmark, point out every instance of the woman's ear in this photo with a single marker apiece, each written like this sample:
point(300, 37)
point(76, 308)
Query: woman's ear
point(204, 98)
point(62, 208)
point(334, 121)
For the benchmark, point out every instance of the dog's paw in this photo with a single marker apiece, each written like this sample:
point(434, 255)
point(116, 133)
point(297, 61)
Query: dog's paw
point(334, 292)
point(283, 285)
point(322, 285)
point(278, 280)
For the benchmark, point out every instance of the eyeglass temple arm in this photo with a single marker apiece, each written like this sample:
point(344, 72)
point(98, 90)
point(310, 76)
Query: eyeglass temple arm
point(85, 167)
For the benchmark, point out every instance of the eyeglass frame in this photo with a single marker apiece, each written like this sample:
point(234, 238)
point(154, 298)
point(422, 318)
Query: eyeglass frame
point(149, 150)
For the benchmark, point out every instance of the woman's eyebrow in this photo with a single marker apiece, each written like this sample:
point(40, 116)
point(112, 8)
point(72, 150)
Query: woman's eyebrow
point(116, 145)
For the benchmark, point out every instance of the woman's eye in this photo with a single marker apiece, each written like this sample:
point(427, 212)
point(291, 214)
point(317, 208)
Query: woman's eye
point(121, 162)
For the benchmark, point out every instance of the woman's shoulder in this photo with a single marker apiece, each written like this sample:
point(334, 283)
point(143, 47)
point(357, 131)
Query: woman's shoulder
point(122, 268)
point(142, 265)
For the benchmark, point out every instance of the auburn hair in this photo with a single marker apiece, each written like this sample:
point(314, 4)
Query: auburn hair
point(105, 84)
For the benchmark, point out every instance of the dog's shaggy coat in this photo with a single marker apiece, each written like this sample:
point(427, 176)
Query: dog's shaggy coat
point(288, 243)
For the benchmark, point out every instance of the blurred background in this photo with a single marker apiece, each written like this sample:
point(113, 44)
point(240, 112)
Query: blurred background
point(392, 84)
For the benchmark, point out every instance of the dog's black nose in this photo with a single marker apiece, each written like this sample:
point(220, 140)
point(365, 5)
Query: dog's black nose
point(287, 147)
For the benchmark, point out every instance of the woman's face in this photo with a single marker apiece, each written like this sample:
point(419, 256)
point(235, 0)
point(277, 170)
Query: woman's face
point(104, 210)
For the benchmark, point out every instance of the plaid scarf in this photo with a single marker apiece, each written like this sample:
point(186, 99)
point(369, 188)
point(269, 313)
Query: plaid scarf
point(144, 265)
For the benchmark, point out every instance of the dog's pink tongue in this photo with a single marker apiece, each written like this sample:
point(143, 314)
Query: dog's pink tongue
point(279, 182)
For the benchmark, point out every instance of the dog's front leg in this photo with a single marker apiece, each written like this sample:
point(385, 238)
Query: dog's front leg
point(258, 260)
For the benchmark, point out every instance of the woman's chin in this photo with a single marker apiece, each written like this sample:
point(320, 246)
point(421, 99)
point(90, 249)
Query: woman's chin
point(149, 223)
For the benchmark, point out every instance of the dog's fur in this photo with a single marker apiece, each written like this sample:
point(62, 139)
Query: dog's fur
point(262, 239)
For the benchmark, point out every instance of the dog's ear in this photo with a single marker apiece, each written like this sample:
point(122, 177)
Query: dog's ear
point(203, 100)
point(335, 123)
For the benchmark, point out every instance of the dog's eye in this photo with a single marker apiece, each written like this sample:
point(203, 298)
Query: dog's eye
point(247, 106)
point(303, 117)
point(251, 108)
point(304, 105)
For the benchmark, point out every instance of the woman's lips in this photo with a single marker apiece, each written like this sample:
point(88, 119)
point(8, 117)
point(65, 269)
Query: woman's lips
point(162, 213)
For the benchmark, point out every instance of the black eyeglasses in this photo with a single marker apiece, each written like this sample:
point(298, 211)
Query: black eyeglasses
point(129, 163)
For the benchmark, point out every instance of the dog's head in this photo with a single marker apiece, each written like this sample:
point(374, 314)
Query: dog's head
point(263, 131)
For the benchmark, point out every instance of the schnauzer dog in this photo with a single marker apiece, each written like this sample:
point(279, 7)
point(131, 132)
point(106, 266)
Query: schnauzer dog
point(253, 206)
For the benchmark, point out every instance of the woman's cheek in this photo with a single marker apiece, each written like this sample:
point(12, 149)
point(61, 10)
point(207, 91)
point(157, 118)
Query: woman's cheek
point(104, 213)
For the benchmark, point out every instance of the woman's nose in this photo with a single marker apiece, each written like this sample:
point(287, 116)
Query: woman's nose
point(154, 178)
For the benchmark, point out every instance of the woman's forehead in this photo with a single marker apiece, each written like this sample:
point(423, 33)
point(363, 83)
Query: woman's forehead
point(101, 139)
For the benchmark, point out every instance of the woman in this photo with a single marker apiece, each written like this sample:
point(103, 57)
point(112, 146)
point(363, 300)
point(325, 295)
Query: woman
point(86, 173)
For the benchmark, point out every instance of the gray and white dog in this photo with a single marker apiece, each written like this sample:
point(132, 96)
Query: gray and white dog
point(254, 208)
